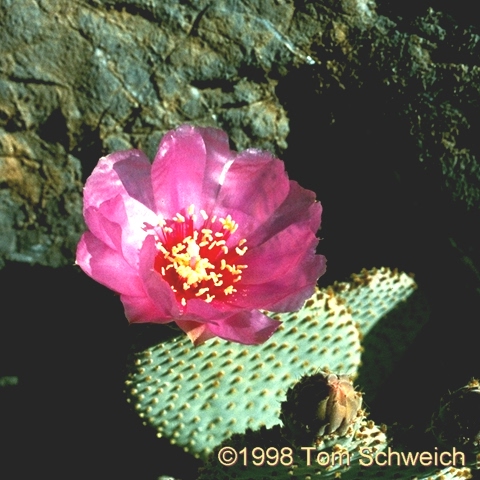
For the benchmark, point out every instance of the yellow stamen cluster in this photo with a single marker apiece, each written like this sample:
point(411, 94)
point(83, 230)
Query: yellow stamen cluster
point(201, 265)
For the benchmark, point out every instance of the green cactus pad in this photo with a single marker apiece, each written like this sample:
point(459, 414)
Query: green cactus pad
point(199, 396)
point(390, 312)
point(371, 294)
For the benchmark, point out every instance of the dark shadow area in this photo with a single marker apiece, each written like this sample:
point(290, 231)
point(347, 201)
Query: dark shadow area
point(66, 339)
point(355, 150)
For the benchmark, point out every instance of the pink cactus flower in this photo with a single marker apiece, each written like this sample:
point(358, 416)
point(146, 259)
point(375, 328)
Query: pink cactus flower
point(203, 236)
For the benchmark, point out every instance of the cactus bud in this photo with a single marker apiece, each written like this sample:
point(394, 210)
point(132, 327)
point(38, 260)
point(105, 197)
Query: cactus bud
point(323, 403)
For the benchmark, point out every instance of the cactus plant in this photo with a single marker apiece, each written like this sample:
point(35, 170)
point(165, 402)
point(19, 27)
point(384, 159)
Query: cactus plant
point(199, 396)
point(277, 410)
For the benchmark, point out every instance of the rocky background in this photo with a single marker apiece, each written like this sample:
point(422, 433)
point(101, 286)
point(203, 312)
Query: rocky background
point(373, 105)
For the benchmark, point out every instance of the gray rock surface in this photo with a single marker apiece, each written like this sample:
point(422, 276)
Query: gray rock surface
point(80, 79)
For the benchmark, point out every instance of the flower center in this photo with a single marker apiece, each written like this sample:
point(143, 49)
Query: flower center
point(196, 258)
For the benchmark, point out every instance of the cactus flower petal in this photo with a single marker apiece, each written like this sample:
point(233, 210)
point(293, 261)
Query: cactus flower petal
point(204, 236)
